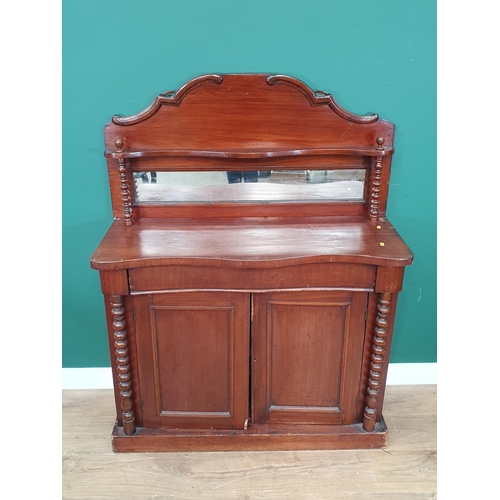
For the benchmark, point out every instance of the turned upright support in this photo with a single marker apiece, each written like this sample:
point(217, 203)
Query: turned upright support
point(124, 186)
point(376, 182)
point(122, 360)
point(377, 361)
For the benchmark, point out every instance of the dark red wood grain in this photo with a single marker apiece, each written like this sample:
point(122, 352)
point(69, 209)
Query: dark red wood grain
point(249, 325)
point(250, 243)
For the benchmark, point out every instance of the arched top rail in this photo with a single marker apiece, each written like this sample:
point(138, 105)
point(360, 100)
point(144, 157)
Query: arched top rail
point(246, 116)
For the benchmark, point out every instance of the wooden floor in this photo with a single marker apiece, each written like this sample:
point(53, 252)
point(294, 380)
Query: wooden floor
point(406, 469)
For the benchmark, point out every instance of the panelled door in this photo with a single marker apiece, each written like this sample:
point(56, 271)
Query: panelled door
point(307, 350)
point(193, 353)
point(305, 353)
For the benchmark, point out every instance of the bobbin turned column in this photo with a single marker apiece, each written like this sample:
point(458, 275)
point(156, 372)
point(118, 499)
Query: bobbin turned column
point(124, 185)
point(122, 360)
point(375, 181)
point(378, 358)
point(388, 282)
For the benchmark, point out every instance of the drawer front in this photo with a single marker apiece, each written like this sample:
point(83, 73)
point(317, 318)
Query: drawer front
point(302, 276)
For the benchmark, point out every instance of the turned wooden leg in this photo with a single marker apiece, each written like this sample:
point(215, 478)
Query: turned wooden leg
point(377, 361)
point(122, 360)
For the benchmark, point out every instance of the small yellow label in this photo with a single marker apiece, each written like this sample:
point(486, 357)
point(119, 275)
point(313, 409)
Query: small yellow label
point(382, 244)
point(379, 227)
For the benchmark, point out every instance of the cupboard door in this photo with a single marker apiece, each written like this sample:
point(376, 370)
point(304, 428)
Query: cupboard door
point(307, 352)
point(193, 351)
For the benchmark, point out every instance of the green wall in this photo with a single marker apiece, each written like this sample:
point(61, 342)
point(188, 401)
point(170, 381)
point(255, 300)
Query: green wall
point(372, 56)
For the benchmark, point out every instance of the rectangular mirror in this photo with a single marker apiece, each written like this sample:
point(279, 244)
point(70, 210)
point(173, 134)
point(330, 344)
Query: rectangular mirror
point(270, 186)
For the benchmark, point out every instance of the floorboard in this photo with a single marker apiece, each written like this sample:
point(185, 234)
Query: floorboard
point(406, 468)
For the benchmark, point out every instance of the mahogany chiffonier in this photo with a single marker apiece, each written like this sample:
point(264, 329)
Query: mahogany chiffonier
point(250, 275)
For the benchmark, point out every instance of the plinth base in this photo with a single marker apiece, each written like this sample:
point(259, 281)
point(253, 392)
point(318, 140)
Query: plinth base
point(256, 437)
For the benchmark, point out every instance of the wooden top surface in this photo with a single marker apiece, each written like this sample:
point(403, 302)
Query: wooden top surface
point(256, 242)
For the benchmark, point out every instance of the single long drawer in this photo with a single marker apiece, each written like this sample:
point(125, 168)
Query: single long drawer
point(317, 275)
